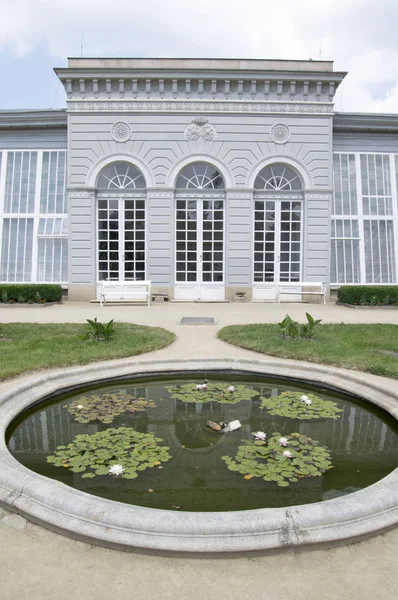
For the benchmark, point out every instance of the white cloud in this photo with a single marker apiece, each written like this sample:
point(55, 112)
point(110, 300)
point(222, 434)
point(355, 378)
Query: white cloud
point(359, 35)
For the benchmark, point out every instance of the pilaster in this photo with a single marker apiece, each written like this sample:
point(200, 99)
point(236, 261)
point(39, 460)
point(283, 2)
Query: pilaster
point(316, 239)
point(82, 251)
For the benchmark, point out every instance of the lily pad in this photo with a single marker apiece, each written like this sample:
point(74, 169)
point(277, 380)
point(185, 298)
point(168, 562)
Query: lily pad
point(290, 404)
point(216, 391)
point(269, 461)
point(105, 407)
point(132, 450)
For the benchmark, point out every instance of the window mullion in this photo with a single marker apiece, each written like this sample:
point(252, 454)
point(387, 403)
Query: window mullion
point(36, 215)
point(2, 200)
point(362, 263)
point(394, 201)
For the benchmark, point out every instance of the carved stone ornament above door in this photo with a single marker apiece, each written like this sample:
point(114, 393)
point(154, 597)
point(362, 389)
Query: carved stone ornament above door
point(200, 128)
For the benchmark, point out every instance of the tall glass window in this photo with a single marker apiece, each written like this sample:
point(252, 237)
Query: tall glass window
point(121, 223)
point(364, 218)
point(53, 183)
point(20, 182)
point(278, 218)
point(52, 250)
point(16, 251)
point(33, 231)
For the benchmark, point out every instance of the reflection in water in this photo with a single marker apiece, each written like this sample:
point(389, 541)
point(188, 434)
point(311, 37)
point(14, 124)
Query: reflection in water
point(363, 444)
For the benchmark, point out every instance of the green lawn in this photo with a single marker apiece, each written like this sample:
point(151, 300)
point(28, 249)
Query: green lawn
point(32, 346)
point(368, 348)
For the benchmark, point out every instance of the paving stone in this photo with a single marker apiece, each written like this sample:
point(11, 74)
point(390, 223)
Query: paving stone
point(197, 321)
point(14, 521)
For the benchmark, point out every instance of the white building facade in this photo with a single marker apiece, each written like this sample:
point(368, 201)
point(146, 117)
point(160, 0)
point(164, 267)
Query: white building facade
point(207, 177)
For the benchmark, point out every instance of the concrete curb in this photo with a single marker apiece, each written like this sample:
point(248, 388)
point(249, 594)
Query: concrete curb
point(113, 524)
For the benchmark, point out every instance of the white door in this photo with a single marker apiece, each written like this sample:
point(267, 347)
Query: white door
point(277, 246)
point(121, 240)
point(199, 270)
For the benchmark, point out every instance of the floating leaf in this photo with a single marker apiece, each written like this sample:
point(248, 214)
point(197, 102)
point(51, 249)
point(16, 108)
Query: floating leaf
point(133, 450)
point(105, 407)
point(216, 391)
point(269, 462)
point(289, 404)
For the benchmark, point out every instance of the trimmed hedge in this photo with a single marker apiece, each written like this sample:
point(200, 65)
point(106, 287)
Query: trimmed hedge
point(368, 295)
point(30, 292)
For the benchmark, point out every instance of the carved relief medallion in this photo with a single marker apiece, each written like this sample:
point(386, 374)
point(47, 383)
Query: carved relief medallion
point(280, 133)
point(121, 131)
point(200, 128)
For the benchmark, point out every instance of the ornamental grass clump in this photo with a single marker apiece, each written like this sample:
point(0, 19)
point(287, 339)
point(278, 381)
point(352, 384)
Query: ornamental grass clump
point(282, 460)
point(123, 447)
point(296, 405)
point(211, 391)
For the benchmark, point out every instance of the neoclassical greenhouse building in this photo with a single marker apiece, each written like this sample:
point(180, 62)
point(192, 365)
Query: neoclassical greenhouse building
point(207, 177)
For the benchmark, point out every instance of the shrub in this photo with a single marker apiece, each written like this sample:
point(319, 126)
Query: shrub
point(30, 292)
point(371, 295)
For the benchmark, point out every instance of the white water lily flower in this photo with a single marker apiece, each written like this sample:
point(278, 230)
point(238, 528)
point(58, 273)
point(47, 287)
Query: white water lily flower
point(304, 398)
point(308, 402)
point(201, 387)
point(260, 435)
point(288, 454)
point(79, 406)
point(283, 441)
point(116, 470)
point(231, 388)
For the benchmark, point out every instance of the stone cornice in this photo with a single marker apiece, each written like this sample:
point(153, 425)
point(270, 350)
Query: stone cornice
point(201, 107)
point(199, 79)
point(365, 122)
point(27, 119)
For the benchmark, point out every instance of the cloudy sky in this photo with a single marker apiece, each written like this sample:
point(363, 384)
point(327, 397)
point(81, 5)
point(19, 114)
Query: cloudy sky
point(359, 35)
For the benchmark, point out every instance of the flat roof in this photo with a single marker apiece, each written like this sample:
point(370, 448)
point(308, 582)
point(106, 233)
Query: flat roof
point(33, 118)
point(211, 64)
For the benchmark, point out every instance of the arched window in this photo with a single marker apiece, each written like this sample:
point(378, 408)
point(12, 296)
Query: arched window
point(200, 199)
point(121, 176)
point(278, 178)
point(121, 208)
point(200, 176)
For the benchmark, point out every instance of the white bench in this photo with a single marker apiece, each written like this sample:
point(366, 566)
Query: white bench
point(113, 291)
point(300, 288)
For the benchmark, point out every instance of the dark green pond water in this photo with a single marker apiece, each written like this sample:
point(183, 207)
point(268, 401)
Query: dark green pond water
point(362, 442)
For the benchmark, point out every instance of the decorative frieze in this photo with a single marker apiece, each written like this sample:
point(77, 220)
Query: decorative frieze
point(203, 107)
point(318, 195)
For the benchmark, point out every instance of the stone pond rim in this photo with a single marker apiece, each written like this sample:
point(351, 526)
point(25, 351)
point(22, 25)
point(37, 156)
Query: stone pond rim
point(113, 524)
